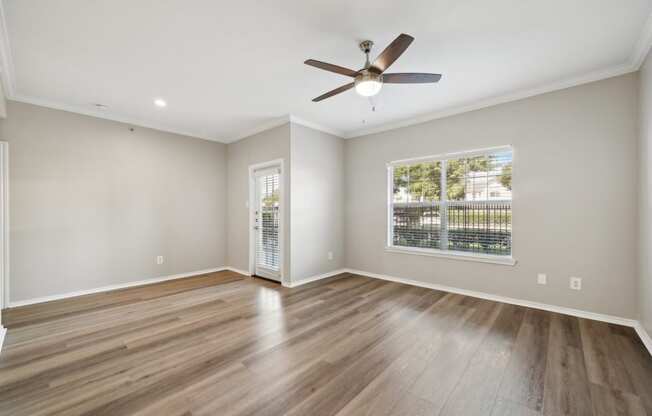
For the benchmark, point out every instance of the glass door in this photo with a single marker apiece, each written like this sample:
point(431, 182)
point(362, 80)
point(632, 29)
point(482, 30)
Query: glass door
point(266, 225)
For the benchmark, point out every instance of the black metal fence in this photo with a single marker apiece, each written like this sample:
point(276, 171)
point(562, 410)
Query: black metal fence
point(477, 227)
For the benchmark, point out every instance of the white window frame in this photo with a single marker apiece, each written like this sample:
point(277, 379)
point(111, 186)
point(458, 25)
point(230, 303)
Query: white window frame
point(449, 254)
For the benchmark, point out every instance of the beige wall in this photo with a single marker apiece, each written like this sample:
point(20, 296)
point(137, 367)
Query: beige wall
point(92, 203)
point(574, 197)
point(262, 147)
point(317, 202)
point(645, 195)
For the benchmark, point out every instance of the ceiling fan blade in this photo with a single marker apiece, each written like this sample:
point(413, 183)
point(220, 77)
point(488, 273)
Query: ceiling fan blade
point(410, 78)
point(334, 92)
point(391, 53)
point(332, 68)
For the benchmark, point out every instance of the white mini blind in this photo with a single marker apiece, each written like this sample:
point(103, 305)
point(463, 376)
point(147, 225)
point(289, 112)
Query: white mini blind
point(459, 203)
point(267, 220)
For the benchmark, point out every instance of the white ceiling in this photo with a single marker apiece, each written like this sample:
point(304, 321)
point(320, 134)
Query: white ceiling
point(229, 68)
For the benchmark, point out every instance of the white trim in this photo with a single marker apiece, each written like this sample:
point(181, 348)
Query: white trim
point(3, 333)
point(4, 223)
point(266, 171)
point(445, 112)
point(289, 118)
point(639, 52)
point(642, 47)
point(113, 287)
point(305, 123)
point(390, 206)
point(645, 337)
point(453, 155)
point(314, 278)
point(637, 57)
point(107, 115)
point(500, 99)
point(250, 202)
point(264, 126)
point(239, 271)
point(6, 60)
point(497, 298)
point(443, 203)
point(453, 255)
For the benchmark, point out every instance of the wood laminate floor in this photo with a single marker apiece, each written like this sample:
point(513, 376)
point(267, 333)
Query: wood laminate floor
point(223, 344)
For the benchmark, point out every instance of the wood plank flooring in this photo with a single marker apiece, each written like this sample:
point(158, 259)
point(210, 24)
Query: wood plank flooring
point(224, 344)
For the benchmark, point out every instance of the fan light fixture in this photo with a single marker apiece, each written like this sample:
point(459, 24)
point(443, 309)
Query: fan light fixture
point(370, 79)
point(368, 84)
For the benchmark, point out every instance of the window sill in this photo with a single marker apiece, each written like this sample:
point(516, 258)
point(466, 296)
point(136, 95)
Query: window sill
point(482, 258)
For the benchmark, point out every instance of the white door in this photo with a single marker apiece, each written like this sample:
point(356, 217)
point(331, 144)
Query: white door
point(266, 223)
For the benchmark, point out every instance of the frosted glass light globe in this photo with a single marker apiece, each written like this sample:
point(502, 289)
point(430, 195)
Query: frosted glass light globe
point(368, 84)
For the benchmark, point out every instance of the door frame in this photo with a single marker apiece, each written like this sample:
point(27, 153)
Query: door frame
point(4, 225)
point(280, 163)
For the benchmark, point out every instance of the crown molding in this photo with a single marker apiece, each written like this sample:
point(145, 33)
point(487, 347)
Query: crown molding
point(642, 47)
point(6, 61)
point(259, 128)
point(106, 115)
point(305, 123)
point(8, 80)
point(289, 118)
point(637, 57)
point(490, 102)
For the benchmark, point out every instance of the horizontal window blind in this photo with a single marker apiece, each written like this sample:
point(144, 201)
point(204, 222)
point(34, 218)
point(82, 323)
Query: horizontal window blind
point(267, 218)
point(461, 203)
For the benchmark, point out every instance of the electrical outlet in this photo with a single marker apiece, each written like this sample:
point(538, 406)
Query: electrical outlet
point(542, 279)
point(576, 283)
point(159, 260)
point(330, 255)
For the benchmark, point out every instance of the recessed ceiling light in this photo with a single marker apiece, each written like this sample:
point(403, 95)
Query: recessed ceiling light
point(159, 102)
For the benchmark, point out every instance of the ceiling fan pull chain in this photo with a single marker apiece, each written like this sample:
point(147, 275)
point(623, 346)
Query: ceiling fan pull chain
point(372, 104)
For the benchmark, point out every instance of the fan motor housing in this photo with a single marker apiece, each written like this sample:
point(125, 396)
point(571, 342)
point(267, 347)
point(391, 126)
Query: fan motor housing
point(366, 75)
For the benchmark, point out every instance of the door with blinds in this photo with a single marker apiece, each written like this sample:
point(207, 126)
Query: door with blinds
point(266, 223)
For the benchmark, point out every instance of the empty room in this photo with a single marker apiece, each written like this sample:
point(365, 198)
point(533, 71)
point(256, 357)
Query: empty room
point(312, 208)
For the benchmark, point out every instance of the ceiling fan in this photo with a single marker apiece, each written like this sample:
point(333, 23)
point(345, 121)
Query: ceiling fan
point(369, 80)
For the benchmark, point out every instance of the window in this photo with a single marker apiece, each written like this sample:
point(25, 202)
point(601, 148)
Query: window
point(454, 205)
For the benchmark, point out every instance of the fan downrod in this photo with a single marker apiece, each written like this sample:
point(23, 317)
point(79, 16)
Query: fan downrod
point(365, 46)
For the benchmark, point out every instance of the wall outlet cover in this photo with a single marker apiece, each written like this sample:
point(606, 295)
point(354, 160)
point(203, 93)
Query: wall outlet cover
point(576, 283)
point(542, 279)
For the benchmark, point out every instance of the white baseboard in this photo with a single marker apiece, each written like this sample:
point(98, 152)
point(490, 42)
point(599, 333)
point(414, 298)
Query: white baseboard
point(497, 298)
point(645, 337)
point(640, 330)
point(3, 332)
point(315, 278)
point(233, 269)
point(113, 287)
